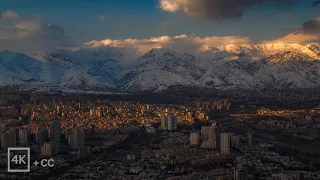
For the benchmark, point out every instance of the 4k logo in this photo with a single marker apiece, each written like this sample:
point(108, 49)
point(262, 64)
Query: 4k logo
point(18, 159)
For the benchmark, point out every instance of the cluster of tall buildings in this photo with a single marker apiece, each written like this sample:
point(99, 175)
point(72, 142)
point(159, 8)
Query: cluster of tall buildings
point(169, 123)
point(76, 140)
point(48, 138)
point(208, 137)
point(55, 131)
point(51, 148)
point(211, 138)
point(23, 136)
point(217, 104)
point(13, 137)
point(225, 143)
point(8, 139)
point(195, 138)
point(235, 141)
point(96, 112)
point(240, 174)
point(41, 136)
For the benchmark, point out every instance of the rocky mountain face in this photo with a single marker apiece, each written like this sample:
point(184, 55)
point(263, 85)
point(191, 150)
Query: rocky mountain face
point(114, 69)
point(159, 69)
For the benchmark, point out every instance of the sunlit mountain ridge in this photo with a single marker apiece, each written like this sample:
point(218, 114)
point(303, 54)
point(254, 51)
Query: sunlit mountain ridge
point(277, 65)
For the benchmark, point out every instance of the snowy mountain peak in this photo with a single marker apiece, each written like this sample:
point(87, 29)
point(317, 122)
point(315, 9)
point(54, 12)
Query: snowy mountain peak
point(271, 65)
point(280, 46)
point(287, 56)
point(313, 50)
point(53, 58)
point(159, 52)
point(313, 46)
point(236, 50)
point(7, 56)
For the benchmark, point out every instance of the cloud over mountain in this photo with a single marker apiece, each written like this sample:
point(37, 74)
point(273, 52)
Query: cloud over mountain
point(28, 34)
point(214, 9)
point(9, 14)
point(182, 43)
point(309, 32)
point(312, 27)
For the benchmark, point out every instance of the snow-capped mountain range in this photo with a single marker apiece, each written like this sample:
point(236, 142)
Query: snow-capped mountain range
point(114, 69)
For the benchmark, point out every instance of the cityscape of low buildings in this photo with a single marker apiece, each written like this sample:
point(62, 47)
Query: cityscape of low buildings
point(202, 139)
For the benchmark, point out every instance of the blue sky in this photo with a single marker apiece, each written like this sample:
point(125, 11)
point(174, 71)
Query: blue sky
point(82, 20)
point(144, 18)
